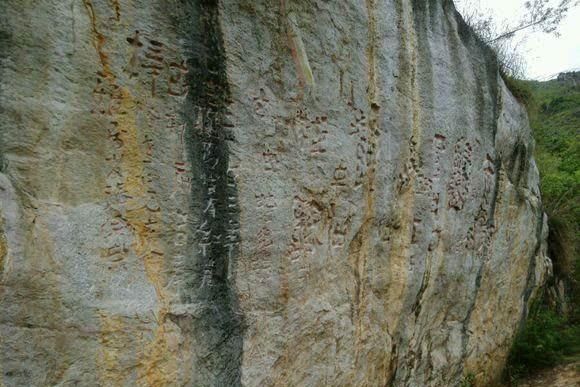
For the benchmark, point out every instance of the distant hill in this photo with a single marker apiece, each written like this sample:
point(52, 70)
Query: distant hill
point(555, 119)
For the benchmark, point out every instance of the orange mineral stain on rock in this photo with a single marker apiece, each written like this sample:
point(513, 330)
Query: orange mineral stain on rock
point(3, 251)
point(99, 40)
point(114, 341)
point(161, 367)
point(158, 359)
point(157, 365)
point(361, 249)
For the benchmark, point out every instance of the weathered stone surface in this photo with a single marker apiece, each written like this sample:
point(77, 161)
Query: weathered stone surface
point(565, 375)
point(259, 193)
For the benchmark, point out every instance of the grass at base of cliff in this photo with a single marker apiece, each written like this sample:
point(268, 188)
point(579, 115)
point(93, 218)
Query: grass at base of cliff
point(468, 380)
point(548, 339)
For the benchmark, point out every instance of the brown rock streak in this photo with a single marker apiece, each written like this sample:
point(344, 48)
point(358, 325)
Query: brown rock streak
point(360, 248)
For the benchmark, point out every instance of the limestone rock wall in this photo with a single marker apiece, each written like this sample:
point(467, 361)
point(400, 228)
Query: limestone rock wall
point(259, 193)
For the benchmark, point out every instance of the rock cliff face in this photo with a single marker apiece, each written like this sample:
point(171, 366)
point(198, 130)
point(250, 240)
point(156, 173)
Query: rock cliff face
point(259, 193)
point(570, 78)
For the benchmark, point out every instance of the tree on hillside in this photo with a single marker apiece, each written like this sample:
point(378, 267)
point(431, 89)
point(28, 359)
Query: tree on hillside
point(537, 16)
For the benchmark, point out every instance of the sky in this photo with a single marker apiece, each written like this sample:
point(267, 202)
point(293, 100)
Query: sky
point(546, 55)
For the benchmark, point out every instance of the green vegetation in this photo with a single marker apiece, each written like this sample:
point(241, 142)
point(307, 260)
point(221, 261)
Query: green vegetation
point(549, 336)
point(520, 89)
point(555, 119)
point(548, 339)
point(468, 380)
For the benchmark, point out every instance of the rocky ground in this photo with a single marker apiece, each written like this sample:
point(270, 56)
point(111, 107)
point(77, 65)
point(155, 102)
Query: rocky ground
point(567, 375)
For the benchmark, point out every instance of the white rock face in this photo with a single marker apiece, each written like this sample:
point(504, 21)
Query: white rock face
point(259, 193)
